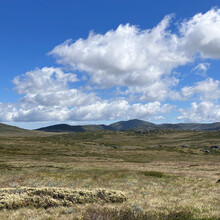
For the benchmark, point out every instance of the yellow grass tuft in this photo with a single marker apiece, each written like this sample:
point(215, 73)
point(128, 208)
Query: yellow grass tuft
point(11, 198)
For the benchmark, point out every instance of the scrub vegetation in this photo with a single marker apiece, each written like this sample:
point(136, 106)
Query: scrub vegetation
point(110, 175)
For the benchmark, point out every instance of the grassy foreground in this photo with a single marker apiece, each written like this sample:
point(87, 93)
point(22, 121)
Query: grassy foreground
point(152, 175)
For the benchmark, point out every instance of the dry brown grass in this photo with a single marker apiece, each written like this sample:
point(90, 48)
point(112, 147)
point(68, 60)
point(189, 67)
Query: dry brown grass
point(12, 198)
point(157, 182)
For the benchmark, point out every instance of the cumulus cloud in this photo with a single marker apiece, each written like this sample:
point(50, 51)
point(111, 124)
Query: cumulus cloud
point(138, 62)
point(49, 87)
point(7, 112)
point(127, 56)
point(201, 34)
point(105, 110)
point(160, 117)
point(143, 60)
point(49, 78)
point(48, 97)
point(202, 112)
point(201, 69)
point(206, 90)
point(120, 109)
point(24, 112)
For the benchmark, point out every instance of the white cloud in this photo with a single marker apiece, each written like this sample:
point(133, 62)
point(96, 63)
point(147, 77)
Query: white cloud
point(105, 110)
point(207, 90)
point(71, 97)
point(202, 112)
point(7, 111)
point(47, 97)
point(160, 117)
point(39, 80)
point(201, 34)
point(140, 63)
point(201, 69)
point(40, 113)
point(49, 87)
point(141, 60)
point(159, 90)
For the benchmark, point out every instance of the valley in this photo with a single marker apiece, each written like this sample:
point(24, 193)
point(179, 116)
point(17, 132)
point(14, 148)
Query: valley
point(162, 174)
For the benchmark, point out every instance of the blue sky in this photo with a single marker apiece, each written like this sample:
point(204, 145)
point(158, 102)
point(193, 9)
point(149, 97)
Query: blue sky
point(82, 62)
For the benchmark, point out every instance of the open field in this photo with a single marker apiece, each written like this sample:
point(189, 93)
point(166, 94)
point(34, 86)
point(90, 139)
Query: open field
point(159, 178)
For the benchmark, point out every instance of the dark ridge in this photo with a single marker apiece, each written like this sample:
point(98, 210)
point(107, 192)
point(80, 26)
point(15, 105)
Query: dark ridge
point(192, 126)
point(61, 128)
point(134, 125)
point(74, 128)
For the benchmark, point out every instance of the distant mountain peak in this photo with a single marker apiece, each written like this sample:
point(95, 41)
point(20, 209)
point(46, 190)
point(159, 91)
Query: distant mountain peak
point(132, 125)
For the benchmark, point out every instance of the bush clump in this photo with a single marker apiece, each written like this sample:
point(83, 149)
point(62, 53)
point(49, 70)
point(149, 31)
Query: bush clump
point(153, 174)
point(129, 214)
point(11, 198)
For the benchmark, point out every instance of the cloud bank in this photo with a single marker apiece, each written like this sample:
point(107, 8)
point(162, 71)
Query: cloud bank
point(134, 67)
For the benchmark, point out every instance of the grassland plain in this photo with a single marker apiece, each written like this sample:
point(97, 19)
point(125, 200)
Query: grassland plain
point(159, 178)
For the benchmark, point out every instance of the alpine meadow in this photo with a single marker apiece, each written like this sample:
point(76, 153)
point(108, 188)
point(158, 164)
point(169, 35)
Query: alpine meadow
point(109, 110)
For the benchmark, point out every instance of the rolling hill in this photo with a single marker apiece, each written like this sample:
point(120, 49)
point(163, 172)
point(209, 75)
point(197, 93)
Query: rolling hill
point(8, 130)
point(75, 128)
point(132, 125)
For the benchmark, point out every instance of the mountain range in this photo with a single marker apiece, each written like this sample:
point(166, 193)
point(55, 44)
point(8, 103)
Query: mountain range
point(132, 125)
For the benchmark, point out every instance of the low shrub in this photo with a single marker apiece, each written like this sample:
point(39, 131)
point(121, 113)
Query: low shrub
point(129, 214)
point(153, 174)
point(12, 198)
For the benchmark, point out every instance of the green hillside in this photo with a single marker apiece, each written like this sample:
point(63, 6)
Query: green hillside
point(8, 130)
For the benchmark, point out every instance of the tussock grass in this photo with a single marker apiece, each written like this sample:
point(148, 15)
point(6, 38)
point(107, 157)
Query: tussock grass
point(39, 176)
point(13, 198)
point(153, 174)
point(132, 214)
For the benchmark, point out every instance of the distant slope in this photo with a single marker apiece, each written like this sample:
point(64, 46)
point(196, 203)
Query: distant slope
point(58, 128)
point(191, 126)
point(13, 131)
point(139, 125)
point(132, 125)
point(74, 128)
point(5, 129)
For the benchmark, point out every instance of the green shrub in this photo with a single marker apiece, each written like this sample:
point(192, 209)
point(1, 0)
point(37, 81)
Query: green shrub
point(153, 174)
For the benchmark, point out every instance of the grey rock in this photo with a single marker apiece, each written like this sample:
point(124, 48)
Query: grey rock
point(206, 151)
point(185, 146)
point(155, 147)
point(214, 147)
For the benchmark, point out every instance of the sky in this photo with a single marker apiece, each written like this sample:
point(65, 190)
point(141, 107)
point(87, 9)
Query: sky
point(95, 61)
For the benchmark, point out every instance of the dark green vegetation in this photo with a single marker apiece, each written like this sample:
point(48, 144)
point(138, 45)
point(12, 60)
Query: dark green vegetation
point(153, 173)
point(76, 128)
point(132, 125)
point(163, 174)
